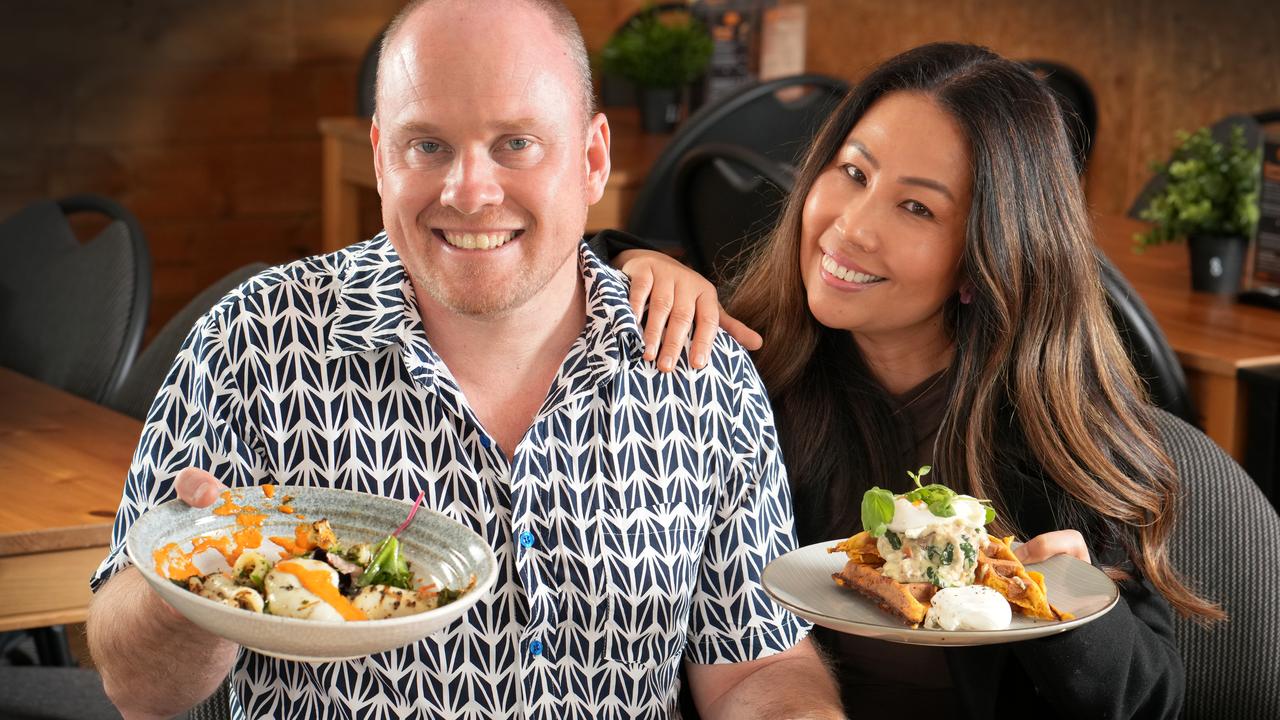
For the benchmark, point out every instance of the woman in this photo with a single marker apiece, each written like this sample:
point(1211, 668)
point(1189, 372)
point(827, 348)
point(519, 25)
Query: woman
point(931, 296)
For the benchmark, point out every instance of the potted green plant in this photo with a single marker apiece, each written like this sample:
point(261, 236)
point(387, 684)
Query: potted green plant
point(660, 53)
point(1210, 197)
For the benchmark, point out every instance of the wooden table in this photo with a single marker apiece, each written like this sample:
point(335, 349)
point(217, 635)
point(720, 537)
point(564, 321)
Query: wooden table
point(1214, 337)
point(348, 169)
point(63, 462)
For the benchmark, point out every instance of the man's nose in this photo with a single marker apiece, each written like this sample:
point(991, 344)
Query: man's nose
point(472, 184)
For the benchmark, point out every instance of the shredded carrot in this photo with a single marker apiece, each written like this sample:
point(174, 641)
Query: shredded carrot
point(269, 490)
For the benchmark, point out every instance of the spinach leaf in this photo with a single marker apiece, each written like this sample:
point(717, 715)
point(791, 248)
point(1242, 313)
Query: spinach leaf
point(894, 541)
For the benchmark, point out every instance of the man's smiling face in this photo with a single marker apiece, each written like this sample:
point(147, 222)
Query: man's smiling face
point(481, 146)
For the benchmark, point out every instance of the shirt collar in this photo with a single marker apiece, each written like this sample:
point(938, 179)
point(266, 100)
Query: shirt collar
point(375, 308)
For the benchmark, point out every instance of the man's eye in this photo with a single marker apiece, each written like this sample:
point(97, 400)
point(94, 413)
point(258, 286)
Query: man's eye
point(518, 143)
point(429, 147)
point(854, 172)
point(916, 208)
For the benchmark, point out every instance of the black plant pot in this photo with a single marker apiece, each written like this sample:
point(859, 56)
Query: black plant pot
point(659, 109)
point(1216, 263)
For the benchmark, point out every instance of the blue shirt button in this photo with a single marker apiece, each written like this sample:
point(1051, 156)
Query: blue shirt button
point(535, 647)
point(526, 539)
point(485, 442)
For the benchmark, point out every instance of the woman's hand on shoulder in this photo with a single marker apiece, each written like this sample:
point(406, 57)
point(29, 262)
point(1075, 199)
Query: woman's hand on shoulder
point(1059, 542)
point(678, 300)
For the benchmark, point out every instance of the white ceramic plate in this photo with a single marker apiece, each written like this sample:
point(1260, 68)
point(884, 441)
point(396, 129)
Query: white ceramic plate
point(438, 548)
point(801, 582)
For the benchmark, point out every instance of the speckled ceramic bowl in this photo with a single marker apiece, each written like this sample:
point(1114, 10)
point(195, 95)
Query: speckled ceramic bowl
point(438, 548)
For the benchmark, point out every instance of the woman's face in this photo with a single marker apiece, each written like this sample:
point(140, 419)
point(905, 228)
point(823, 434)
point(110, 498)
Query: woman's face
point(883, 226)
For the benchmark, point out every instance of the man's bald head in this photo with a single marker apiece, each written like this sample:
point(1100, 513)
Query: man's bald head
point(563, 22)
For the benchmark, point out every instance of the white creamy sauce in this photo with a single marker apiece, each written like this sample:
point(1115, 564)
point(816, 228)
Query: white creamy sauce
point(976, 607)
point(922, 547)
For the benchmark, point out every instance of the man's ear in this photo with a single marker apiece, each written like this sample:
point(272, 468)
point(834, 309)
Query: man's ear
point(374, 136)
point(598, 163)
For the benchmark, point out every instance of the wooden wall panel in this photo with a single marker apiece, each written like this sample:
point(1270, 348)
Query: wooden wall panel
point(201, 116)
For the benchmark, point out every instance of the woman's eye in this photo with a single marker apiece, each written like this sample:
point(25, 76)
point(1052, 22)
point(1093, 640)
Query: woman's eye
point(428, 147)
point(853, 172)
point(916, 208)
point(518, 143)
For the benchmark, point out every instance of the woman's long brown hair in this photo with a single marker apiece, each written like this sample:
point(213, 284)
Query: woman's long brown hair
point(1041, 389)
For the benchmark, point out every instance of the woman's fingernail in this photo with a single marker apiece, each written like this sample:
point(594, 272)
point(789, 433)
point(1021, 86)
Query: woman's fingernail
point(700, 360)
point(666, 364)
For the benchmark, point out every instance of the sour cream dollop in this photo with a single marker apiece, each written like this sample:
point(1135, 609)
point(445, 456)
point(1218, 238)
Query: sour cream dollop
point(973, 607)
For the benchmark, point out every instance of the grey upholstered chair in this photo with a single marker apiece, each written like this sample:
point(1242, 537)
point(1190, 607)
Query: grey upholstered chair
point(138, 390)
point(1227, 541)
point(53, 693)
point(72, 314)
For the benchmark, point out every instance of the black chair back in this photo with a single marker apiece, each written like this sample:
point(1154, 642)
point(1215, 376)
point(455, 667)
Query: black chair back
point(1078, 105)
point(72, 315)
point(1146, 345)
point(762, 117)
point(138, 391)
point(729, 198)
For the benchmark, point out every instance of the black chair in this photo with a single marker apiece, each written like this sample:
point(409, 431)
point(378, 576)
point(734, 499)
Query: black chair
point(1226, 540)
point(1262, 428)
point(366, 81)
point(53, 693)
point(729, 197)
point(1079, 107)
point(71, 314)
point(138, 391)
point(1146, 345)
point(761, 117)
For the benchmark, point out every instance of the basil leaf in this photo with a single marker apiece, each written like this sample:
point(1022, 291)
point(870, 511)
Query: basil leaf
point(877, 510)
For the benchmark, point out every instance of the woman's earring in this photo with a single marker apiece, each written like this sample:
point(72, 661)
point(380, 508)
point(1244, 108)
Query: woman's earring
point(966, 293)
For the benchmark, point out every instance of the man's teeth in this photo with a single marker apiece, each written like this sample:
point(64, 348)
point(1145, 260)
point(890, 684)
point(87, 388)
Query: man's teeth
point(844, 273)
point(478, 241)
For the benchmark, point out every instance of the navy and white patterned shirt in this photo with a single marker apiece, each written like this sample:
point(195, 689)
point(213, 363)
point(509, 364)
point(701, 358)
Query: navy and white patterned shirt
point(630, 529)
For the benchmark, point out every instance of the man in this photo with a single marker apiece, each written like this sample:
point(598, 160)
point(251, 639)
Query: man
point(478, 351)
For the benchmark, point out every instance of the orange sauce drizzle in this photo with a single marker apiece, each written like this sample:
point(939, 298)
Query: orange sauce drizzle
point(179, 563)
point(269, 490)
point(286, 509)
point(250, 519)
point(228, 506)
point(173, 563)
point(320, 583)
point(301, 542)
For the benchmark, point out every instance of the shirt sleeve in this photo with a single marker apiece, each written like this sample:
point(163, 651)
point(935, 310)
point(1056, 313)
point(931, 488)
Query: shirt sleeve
point(608, 244)
point(196, 420)
point(732, 618)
